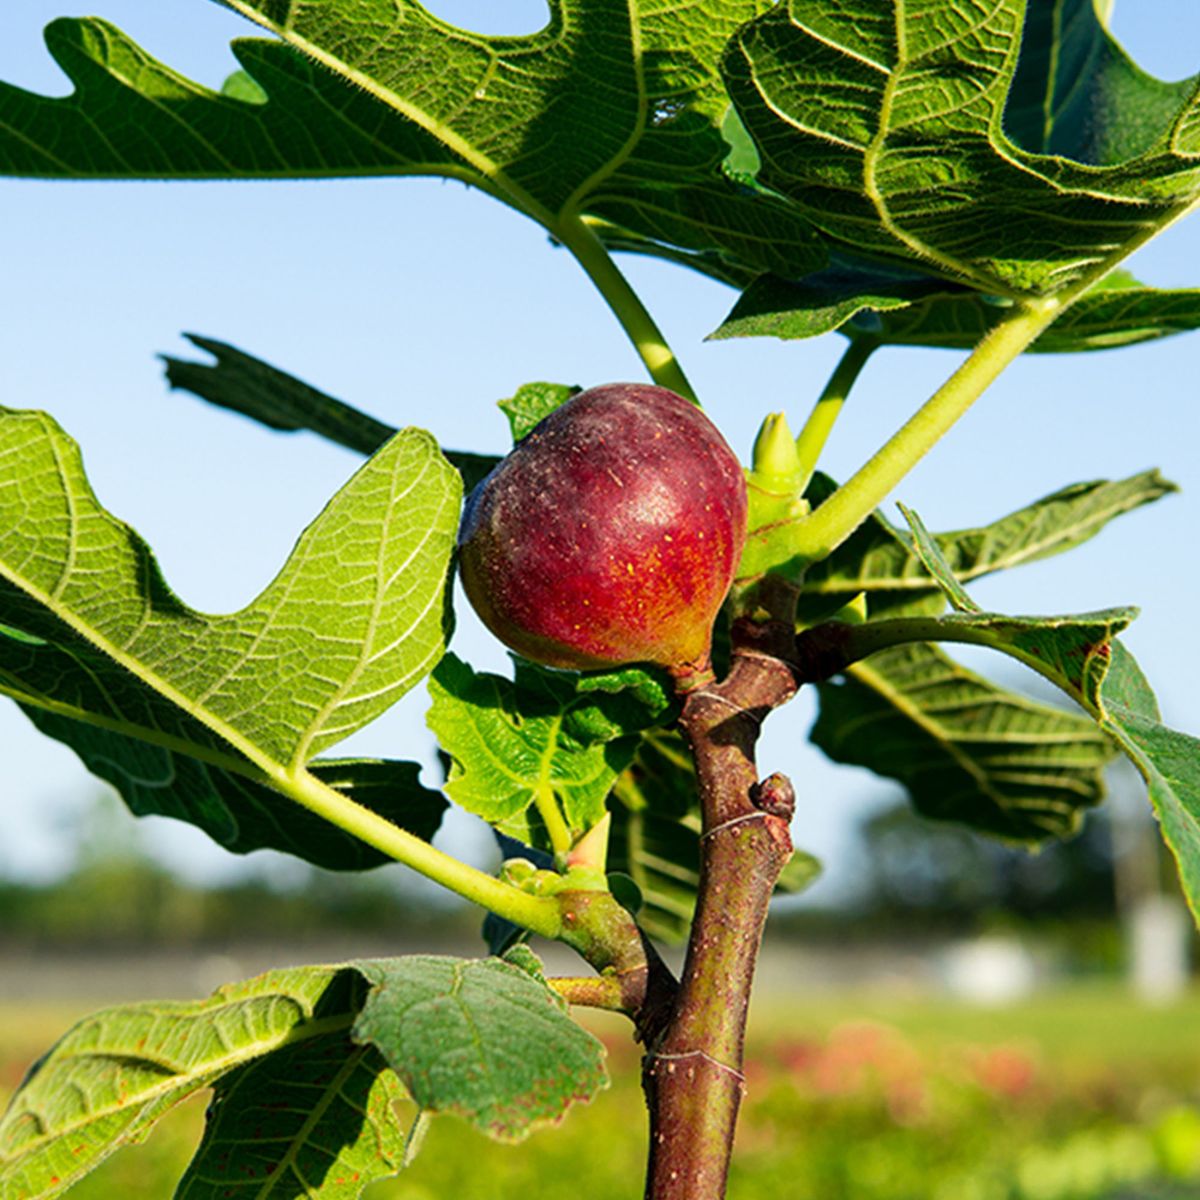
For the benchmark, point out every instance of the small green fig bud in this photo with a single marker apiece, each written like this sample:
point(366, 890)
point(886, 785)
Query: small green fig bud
point(610, 534)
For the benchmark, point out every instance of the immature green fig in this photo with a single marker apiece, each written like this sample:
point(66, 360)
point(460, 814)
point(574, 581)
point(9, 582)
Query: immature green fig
point(609, 535)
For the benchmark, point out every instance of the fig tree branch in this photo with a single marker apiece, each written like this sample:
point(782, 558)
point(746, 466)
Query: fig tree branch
point(693, 1074)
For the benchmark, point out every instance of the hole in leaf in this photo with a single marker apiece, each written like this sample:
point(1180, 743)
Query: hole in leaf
point(1161, 36)
point(665, 110)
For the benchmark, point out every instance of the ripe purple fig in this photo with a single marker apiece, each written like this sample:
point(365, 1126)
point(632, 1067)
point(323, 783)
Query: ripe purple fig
point(609, 535)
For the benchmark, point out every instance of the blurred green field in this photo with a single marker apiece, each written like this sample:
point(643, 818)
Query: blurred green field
point(1077, 1095)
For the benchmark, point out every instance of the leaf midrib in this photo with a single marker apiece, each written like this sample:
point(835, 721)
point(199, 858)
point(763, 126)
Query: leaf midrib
point(937, 732)
point(275, 771)
point(874, 151)
point(214, 1068)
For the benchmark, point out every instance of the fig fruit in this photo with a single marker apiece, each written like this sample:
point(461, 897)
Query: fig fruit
point(609, 535)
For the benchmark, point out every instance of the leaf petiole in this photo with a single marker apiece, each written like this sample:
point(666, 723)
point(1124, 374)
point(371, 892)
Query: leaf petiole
point(540, 915)
point(592, 255)
point(830, 524)
point(812, 438)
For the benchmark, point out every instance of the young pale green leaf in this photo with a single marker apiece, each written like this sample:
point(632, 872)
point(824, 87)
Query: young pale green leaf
point(966, 750)
point(92, 633)
point(612, 109)
point(878, 560)
point(655, 837)
point(486, 1040)
point(533, 741)
point(532, 404)
point(111, 1077)
point(921, 135)
point(241, 814)
point(902, 308)
point(316, 1118)
point(247, 385)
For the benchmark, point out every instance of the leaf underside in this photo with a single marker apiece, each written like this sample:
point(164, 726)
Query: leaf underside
point(904, 308)
point(306, 1066)
point(956, 139)
point(1083, 657)
point(244, 384)
point(201, 716)
point(966, 750)
point(881, 562)
point(611, 110)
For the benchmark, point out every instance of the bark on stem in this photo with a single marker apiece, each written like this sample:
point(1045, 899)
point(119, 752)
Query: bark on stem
point(693, 1075)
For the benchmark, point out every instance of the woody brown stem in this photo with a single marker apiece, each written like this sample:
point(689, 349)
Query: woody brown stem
point(693, 1075)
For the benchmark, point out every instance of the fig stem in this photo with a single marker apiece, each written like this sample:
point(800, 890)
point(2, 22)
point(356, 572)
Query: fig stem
point(831, 523)
point(810, 441)
point(591, 254)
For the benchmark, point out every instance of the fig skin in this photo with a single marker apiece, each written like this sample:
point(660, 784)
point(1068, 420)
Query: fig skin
point(610, 535)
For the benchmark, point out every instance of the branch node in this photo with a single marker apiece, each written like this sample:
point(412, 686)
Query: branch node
point(672, 1060)
point(742, 820)
point(775, 796)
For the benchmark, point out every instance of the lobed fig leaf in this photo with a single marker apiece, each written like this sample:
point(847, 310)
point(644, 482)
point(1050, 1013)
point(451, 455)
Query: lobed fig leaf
point(609, 535)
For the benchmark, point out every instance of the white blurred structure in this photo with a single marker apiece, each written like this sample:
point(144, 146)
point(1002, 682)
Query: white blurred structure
point(988, 970)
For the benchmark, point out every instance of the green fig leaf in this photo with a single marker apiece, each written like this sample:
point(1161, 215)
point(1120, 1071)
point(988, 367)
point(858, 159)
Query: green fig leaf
point(958, 141)
point(317, 1118)
point(880, 561)
point(306, 1064)
point(487, 1040)
point(966, 750)
point(532, 404)
point(525, 749)
point(93, 635)
point(828, 299)
point(611, 110)
point(242, 815)
point(1166, 759)
point(901, 308)
point(111, 1077)
point(243, 384)
point(1080, 655)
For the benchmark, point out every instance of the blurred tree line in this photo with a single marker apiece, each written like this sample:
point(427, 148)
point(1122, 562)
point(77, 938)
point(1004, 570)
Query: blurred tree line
point(916, 879)
point(116, 893)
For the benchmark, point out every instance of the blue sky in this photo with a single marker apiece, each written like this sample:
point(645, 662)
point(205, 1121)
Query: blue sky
point(423, 303)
